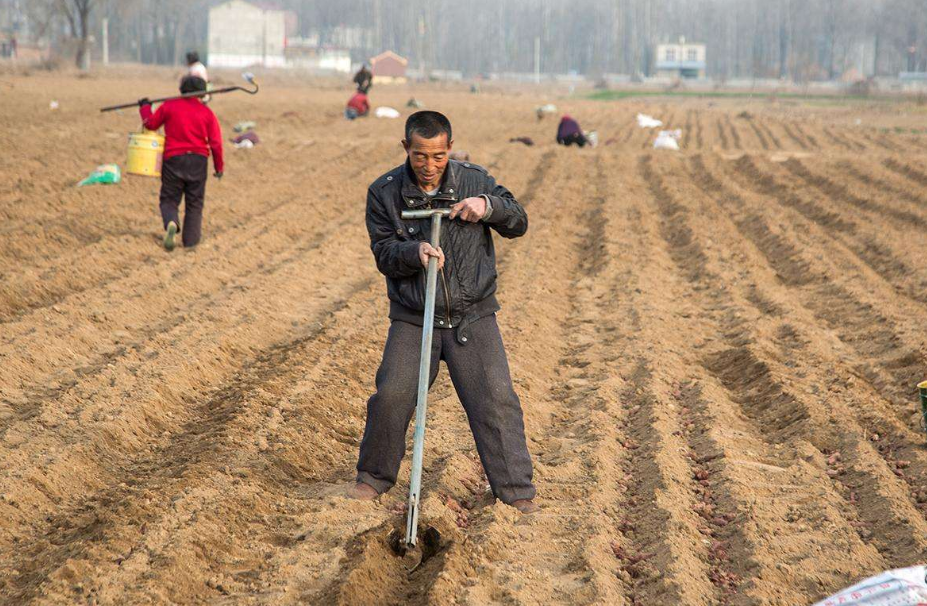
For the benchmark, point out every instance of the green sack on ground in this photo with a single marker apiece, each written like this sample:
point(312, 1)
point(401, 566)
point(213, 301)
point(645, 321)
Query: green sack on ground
point(106, 173)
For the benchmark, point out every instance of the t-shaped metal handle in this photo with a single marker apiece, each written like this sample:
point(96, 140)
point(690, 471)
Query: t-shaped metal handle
point(435, 214)
point(425, 213)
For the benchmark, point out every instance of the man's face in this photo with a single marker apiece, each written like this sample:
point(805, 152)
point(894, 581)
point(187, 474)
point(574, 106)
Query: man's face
point(428, 158)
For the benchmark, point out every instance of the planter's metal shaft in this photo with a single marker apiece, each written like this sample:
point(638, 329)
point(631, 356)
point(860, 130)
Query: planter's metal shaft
point(922, 389)
point(424, 370)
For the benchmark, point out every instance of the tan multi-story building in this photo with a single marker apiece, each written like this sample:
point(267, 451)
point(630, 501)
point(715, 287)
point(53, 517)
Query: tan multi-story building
point(681, 60)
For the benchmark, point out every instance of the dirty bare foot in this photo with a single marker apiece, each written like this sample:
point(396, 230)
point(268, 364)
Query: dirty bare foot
point(525, 505)
point(364, 492)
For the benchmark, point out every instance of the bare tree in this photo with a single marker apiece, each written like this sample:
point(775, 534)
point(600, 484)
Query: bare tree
point(790, 39)
point(77, 13)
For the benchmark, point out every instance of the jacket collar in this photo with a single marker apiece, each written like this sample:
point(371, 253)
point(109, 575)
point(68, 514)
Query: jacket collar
point(447, 190)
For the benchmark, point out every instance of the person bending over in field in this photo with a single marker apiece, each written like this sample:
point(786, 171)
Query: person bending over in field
point(358, 106)
point(569, 132)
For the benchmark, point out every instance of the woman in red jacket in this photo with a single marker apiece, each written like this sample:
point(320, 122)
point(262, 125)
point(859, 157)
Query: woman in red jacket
point(191, 131)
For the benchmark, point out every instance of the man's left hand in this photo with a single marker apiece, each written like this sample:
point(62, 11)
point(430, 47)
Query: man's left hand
point(469, 209)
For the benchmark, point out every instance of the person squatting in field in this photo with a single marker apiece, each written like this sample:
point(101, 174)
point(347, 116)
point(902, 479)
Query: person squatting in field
point(191, 131)
point(358, 106)
point(466, 334)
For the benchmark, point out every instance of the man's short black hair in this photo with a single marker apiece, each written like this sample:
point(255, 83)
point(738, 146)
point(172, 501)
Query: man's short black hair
point(427, 125)
point(192, 57)
point(192, 84)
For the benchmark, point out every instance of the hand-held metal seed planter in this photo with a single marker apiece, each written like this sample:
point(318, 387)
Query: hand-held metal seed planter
point(431, 536)
point(248, 76)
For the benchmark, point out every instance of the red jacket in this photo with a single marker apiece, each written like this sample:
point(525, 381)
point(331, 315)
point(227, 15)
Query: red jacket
point(360, 103)
point(189, 126)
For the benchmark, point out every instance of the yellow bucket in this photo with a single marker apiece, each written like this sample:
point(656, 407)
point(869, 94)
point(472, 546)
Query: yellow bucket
point(146, 152)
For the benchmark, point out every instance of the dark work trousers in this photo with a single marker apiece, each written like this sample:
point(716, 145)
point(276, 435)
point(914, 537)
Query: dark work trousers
point(480, 373)
point(577, 138)
point(184, 176)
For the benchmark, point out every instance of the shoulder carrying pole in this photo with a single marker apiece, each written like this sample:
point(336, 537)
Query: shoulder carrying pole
point(218, 91)
point(424, 369)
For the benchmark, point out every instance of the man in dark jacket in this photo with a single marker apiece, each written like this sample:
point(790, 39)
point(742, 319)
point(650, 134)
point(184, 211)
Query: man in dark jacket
point(191, 131)
point(466, 334)
point(363, 79)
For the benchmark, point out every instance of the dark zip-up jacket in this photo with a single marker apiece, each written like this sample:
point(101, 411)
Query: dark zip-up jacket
point(467, 284)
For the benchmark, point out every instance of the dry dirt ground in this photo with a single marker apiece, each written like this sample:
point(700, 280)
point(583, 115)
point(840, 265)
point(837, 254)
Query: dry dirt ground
point(716, 352)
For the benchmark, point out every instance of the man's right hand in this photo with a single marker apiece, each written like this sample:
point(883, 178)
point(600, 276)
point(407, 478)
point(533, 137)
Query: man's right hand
point(144, 101)
point(426, 251)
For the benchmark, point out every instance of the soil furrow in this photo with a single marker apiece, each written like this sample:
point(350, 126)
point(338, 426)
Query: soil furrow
point(735, 136)
point(749, 378)
point(878, 185)
point(906, 170)
point(687, 130)
point(79, 271)
point(769, 134)
point(699, 141)
point(860, 322)
point(878, 141)
point(843, 142)
point(865, 246)
point(823, 302)
point(155, 406)
point(570, 562)
point(722, 135)
point(794, 137)
point(723, 547)
point(841, 193)
point(36, 397)
point(95, 519)
point(764, 143)
point(801, 132)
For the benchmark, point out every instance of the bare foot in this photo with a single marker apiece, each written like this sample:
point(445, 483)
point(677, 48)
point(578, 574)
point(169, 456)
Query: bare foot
point(526, 505)
point(363, 492)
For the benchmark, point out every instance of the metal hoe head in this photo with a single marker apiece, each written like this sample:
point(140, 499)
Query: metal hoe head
point(430, 544)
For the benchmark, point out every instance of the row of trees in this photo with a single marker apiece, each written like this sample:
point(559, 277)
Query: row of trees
point(793, 39)
point(145, 31)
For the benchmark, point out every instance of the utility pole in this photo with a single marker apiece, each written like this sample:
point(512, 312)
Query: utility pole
point(105, 41)
point(377, 27)
point(421, 44)
point(537, 59)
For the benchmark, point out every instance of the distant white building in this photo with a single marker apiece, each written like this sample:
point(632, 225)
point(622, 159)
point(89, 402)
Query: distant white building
point(681, 60)
point(335, 59)
point(306, 53)
point(343, 36)
point(242, 34)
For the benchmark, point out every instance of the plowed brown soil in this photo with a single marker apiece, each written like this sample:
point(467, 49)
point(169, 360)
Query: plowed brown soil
point(716, 352)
